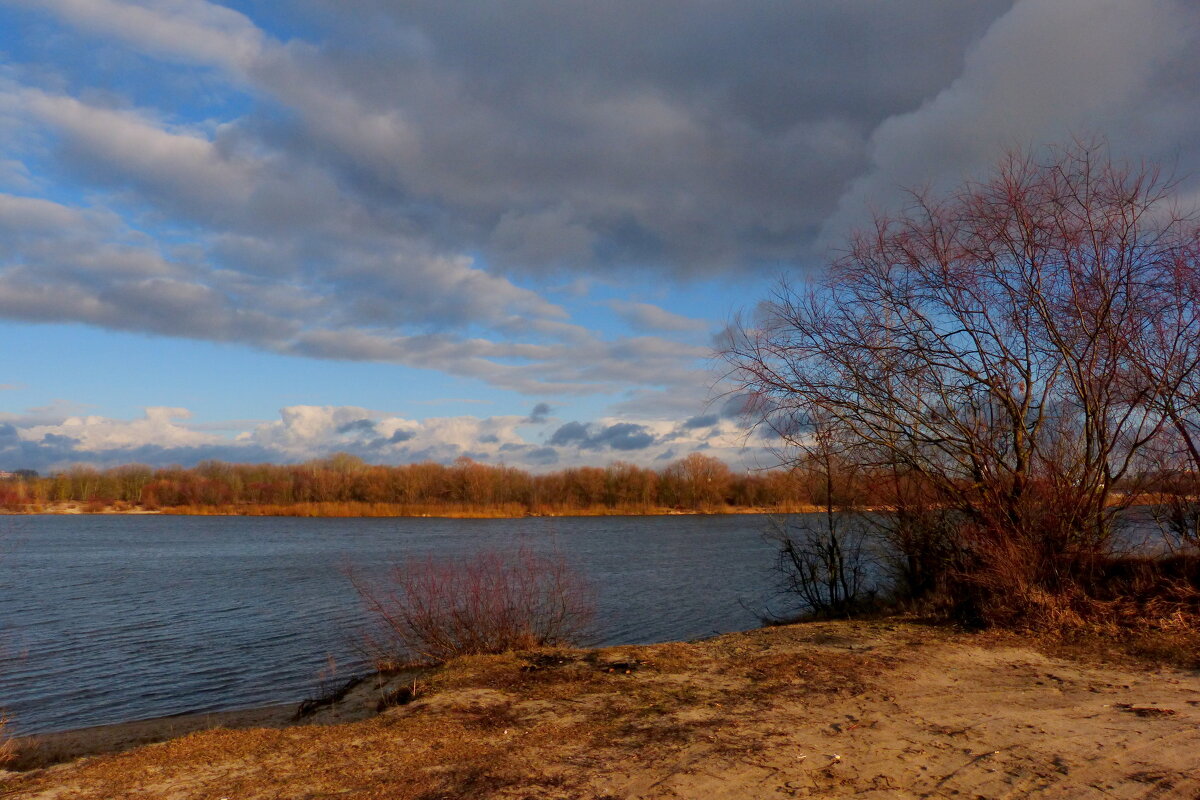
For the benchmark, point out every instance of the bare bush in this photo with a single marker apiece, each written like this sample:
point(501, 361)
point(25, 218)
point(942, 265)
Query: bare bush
point(435, 609)
point(1016, 351)
point(822, 561)
point(826, 567)
point(1176, 503)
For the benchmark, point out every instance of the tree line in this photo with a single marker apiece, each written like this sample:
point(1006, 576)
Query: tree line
point(345, 484)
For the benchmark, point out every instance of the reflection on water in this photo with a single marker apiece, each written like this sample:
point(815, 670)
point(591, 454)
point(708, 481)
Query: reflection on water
point(107, 618)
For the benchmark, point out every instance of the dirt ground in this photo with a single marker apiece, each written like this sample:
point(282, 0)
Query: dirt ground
point(867, 710)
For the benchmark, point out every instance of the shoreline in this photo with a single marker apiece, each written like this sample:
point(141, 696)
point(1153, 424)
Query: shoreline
point(38, 750)
point(362, 510)
point(304, 511)
point(360, 701)
point(832, 709)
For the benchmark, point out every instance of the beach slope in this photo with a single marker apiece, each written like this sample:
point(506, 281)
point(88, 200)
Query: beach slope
point(868, 710)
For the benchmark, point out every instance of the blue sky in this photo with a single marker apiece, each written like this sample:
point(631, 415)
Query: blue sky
point(275, 230)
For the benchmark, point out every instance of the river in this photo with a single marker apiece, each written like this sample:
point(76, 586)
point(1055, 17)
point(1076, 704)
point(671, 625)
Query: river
point(108, 619)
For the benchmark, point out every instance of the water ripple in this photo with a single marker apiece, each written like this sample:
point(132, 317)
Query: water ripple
point(138, 617)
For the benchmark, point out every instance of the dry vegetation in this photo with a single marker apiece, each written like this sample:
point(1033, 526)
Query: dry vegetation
point(871, 710)
point(7, 750)
point(345, 486)
point(435, 609)
point(1010, 367)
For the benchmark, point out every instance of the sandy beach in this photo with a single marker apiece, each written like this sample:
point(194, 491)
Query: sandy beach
point(875, 709)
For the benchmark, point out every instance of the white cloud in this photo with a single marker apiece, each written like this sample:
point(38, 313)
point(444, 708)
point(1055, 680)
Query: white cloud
point(185, 30)
point(49, 439)
point(159, 426)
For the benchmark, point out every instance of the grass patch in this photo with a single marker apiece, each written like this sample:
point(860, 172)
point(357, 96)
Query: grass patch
point(8, 750)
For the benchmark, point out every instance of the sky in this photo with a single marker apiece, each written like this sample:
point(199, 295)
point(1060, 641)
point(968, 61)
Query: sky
point(271, 230)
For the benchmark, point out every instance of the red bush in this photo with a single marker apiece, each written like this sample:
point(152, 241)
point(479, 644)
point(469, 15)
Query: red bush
point(434, 609)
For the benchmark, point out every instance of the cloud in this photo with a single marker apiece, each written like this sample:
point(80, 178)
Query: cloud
point(571, 433)
point(123, 147)
point(408, 182)
point(539, 414)
point(357, 426)
point(623, 436)
point(355, 289)
point(31, 215)
point(185, 30)
point(1045, 71)
point(637, 140)
point(619, 436)
point(542, 456)
point(651, 318)
point(58, 437)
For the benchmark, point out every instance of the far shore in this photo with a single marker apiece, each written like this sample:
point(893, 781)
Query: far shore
point(881, 708)
point(384, 510)
point(349, 510)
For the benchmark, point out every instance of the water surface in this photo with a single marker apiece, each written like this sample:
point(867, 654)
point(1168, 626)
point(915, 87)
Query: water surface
point(114, 618)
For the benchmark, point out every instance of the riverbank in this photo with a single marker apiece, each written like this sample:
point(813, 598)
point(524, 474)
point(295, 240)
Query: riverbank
point(376, 510)
point(873, 709)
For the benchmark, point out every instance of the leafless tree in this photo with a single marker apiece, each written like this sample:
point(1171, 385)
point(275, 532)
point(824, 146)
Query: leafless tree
point(1015, 349)
point(825, 560)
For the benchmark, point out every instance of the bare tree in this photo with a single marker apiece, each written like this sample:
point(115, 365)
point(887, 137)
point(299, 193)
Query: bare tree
point(824, 560)
point(1170, 349)
point(996, 348)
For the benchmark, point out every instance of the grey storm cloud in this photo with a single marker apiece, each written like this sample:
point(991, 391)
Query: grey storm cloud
point(539, 414)
point(531, 454)
point(543, 133)
point(8, 435)
point(571, 433)
point(357, 426)
point(552, 134)
point(542, 456)
point(738, 405)
point(391, 186)
point(624, 436)
point(54, 451)
point(619, 436)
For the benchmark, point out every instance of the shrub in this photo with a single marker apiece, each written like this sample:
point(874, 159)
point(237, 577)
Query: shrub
point(1177, 512)
point(825, 566)
point(7, 751)
point(1026, 348)
point(434, 609)
point(1007, 585)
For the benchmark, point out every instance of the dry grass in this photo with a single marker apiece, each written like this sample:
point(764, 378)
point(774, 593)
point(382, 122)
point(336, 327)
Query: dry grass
point(745, 715)
point(481, 726)
point(1036, 589)
point(7, 750)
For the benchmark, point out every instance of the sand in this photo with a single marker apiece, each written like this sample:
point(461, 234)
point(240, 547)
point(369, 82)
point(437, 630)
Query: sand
point(866, 710)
